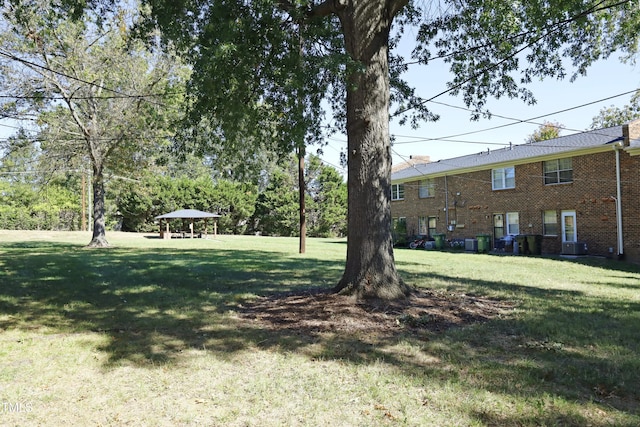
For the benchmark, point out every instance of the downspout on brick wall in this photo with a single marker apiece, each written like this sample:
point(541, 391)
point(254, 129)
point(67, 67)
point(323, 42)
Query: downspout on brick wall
point(617, 147)
point(446, 201)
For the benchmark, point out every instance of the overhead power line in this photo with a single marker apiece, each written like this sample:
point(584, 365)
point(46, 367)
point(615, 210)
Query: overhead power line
point(515, 121)
point(61, 98)
point(42, 67)
point(117, 94)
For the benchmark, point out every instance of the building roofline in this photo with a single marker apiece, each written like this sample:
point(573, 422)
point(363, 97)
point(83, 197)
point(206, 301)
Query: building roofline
point(590, 142)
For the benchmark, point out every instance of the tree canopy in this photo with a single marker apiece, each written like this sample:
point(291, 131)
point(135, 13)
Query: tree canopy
point(547, 130)
point(613, 116)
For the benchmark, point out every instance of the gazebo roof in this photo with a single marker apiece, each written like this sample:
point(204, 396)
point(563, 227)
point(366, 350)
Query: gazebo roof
point(187, 214)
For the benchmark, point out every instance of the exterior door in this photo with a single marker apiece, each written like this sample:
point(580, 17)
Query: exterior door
point(498, 226)
point(569, 233)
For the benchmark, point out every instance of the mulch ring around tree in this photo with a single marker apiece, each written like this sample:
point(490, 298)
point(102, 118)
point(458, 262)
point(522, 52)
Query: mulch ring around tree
point(323, 311)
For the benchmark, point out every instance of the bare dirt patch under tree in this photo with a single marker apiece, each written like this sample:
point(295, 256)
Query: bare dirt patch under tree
point(324, 311)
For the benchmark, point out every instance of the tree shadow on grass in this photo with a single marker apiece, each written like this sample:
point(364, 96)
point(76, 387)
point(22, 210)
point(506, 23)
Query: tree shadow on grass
point(155, 304)
point(581, 346)
point(585, 345)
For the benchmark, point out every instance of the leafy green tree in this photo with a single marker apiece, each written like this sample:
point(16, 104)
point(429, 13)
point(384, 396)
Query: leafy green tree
point(548, 130)
point(58, 205)
point(328, 194)
point(272, 61)
point(277, 206)
point(614, 116)
point(98, 95)
point(29, 201)
point(140, 202)
point(276, 210)
point(236, 202)
point(137, 204)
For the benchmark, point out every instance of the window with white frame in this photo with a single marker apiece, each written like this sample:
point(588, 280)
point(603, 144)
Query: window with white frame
point(558, 171)
point(426, 188)
point(513, 223)
point(397, 191)
point(550, 223)
point(503, 178)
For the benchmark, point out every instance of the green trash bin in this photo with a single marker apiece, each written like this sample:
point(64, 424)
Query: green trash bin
point(534, 244)
point(520, 244)
point(439, 238)
point(483, 243)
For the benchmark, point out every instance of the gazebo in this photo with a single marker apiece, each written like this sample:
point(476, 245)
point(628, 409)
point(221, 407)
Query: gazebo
point(191, 215)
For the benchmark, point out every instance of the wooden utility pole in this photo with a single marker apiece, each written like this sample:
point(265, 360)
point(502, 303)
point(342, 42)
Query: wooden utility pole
point(302, 190)
point(84, 203)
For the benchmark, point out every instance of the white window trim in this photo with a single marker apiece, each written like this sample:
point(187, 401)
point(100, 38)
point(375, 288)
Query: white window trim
point(429, 185)
point(544, 224)
point(504, 178)
point(557, 171)
point(508, 223)
point(395, 192)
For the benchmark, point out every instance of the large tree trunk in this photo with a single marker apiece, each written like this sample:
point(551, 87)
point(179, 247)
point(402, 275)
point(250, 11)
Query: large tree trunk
point(99, 234)
point(370, 270)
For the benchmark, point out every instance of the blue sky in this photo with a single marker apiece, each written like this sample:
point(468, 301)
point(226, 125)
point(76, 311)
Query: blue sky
point(604, 79)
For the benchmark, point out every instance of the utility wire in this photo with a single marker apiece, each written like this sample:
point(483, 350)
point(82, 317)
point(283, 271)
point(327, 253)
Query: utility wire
point(552, 27)
point(61, 98)
point(42, 67)
point(118, 94)
point(449, 138)
point(515, 121)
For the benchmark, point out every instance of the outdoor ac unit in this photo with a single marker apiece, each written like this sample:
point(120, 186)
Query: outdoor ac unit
point(471, 245)
point(574, 248)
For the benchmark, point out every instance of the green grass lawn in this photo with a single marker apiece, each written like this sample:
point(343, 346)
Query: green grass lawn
point(148, 333)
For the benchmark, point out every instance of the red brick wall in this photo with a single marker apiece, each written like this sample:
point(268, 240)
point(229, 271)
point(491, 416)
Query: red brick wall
point(630, 177)
point(472, 203)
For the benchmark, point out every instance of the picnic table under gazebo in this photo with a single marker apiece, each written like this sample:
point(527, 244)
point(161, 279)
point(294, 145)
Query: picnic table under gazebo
point(186, 214)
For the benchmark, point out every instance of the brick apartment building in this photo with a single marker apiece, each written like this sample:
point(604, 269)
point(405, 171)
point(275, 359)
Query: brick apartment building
point(571, 193)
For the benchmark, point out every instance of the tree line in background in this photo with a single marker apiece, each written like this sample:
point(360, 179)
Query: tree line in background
point(32, 201)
